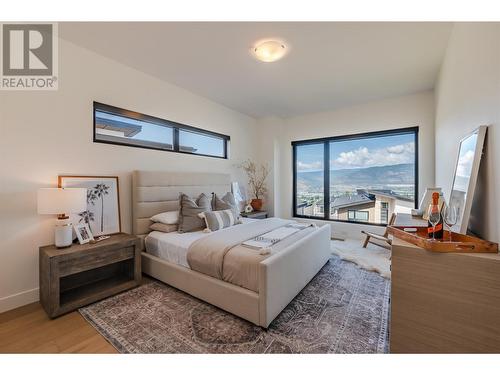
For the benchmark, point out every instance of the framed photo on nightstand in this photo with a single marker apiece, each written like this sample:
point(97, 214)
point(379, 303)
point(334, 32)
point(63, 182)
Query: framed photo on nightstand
point(83, 233)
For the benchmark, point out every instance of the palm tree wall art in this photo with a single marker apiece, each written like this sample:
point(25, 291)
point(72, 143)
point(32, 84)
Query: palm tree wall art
point(103, 206)
point(100, 191)
point(88, 216)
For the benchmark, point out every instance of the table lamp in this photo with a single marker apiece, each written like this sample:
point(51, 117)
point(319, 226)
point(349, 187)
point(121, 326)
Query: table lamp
point(61, 202)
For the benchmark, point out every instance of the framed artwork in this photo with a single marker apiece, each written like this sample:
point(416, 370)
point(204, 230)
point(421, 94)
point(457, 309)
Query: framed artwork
point(466, 172)
point(83, 233)
point(103, 203)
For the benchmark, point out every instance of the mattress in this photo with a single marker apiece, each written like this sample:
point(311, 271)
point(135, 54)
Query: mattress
point(173, 247)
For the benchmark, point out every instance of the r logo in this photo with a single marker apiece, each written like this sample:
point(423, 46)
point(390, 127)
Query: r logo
point(27, 50)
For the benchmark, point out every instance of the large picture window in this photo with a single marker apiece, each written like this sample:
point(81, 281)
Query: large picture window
point(356, 178)
point(119, 126)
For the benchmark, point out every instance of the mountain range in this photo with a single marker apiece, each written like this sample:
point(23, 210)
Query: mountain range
point(311, 181)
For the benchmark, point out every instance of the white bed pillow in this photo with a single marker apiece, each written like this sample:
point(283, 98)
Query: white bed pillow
point(169, 217)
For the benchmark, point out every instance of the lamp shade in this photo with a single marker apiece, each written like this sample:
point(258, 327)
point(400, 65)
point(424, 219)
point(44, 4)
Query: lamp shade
point(61, 201)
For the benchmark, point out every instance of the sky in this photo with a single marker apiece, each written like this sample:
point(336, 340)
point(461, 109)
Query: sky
point(360, 153)
point(466, 156)
point(164, 134)
point(465, 161)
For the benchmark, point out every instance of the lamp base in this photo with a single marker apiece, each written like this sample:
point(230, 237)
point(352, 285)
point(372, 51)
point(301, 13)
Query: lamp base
point(63, 234)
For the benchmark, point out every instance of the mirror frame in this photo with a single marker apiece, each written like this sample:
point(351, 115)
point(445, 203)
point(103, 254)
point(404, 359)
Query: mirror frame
point(461, 226)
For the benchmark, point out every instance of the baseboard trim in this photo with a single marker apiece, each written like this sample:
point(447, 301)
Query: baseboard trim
point(18, 300)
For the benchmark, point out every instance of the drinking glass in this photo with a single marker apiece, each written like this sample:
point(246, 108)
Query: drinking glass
point(434, 217)
point(450, 217)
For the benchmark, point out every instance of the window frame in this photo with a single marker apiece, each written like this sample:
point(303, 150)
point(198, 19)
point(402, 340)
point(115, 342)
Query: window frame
point(384, 208)
point(355, 212)
point(159, 121)
point(326, 172)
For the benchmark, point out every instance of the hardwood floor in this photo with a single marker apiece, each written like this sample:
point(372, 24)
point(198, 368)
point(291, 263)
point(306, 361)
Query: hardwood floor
point(27, 329)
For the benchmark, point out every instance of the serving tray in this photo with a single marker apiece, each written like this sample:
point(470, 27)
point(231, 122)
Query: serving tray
point(460, 243)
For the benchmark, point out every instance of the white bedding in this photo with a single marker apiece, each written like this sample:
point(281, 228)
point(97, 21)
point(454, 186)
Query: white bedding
point(173, 247)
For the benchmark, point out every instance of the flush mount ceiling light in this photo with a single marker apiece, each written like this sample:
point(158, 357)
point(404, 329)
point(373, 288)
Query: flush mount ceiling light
point(270, 51)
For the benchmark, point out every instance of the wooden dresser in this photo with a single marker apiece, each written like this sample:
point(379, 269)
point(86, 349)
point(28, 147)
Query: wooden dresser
point(444, 303)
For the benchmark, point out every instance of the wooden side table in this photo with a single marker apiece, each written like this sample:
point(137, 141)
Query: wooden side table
point(255, 215)
point(77, 276)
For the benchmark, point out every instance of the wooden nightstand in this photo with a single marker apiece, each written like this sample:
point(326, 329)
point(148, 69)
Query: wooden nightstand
point(74, 277)
point(255, 215)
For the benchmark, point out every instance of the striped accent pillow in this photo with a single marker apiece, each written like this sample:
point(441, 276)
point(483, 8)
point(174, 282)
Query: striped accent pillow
point(216, 220)
point(227, 202)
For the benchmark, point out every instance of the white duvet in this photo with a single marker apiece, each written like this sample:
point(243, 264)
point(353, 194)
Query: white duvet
point(173, 247)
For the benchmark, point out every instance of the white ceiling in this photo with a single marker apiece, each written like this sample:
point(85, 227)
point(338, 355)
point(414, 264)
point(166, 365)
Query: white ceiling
point(329, 65)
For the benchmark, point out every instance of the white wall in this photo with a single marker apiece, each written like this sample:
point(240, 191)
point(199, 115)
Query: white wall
point(400, 112)
point(270, 130)
point(468, 95)
point(44, 134)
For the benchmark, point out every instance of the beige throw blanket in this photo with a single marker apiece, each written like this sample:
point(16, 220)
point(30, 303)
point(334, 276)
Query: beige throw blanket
point(222, 256)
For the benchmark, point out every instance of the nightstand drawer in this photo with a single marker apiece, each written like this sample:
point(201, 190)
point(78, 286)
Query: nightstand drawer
point(96, 258)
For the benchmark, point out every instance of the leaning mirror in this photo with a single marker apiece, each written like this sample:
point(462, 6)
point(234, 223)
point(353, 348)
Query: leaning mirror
point(465, 178)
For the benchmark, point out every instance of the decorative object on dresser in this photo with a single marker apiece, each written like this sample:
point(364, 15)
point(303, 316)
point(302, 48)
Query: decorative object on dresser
point(60, 202)
point(426, 201)
point(102, 212)
point(255, 215)
point(414, 231)
point(450, 217)
point(257, 176)
point(466, 172)
point(74, 277)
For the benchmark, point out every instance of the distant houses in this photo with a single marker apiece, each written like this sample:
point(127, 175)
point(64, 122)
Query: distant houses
point(373, 206)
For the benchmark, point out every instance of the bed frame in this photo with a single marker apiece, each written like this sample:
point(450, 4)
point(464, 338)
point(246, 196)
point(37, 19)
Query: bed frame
point(281, 276)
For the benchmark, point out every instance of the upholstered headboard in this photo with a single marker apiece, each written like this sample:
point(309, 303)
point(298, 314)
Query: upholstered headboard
point(155, 192)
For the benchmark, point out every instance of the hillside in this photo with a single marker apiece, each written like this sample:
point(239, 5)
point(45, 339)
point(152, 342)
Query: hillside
point(372, 176)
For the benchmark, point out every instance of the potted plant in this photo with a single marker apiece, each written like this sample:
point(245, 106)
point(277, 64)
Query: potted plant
point(257, 176)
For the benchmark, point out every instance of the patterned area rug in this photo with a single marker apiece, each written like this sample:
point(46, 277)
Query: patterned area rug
point(344, 309)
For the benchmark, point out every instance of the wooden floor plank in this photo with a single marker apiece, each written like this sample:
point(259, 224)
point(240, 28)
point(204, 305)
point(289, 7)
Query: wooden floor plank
point(27, 329)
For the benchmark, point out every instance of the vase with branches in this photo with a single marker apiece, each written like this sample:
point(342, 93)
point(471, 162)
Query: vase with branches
point(257, 176)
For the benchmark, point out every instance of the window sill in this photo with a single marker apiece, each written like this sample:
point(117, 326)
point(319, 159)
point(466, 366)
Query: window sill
point(337, 221)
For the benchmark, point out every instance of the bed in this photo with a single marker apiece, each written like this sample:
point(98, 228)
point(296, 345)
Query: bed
point(279, 277)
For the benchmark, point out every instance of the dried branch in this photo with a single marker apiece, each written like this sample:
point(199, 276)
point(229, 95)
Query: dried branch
point(256, 177)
